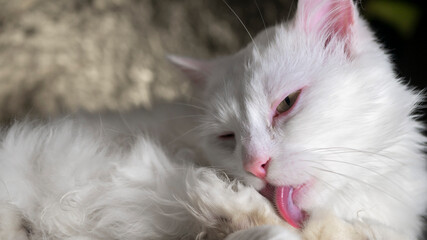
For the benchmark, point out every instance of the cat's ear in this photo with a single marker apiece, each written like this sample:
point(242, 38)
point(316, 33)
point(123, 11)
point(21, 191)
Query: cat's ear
point(327, 18)
point(195, 69)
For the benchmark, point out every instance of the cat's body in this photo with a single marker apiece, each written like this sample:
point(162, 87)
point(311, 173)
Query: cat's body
point(310, 114)
point(64, 180)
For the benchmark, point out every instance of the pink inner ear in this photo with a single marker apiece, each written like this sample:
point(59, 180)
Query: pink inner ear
point(331, 17)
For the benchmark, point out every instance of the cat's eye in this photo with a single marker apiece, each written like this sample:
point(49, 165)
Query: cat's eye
point(288, 102)
point(227, 141)
point(226, 136)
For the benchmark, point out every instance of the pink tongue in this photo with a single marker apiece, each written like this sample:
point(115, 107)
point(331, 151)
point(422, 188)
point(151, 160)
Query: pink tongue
point(285, 204)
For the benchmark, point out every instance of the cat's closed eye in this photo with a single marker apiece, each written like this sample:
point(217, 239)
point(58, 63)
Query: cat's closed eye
point(287, 103)
point(227, 140)
point(226, 136)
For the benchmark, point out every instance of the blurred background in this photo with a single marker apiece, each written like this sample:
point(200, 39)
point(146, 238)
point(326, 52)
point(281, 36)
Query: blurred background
point(62, 56)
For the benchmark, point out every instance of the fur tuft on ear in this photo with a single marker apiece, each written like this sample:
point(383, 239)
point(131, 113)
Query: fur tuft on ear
point(195, 69)
point(327, 18)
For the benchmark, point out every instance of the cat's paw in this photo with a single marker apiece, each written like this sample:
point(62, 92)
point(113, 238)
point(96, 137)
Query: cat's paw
point(266, 232)
point(325, 226)
point(221, 207)
point(11, 226)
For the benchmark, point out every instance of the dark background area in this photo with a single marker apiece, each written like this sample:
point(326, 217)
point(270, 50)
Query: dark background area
point(408, 50)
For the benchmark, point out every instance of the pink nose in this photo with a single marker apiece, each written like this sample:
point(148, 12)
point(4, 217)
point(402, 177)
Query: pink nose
point(258, 167)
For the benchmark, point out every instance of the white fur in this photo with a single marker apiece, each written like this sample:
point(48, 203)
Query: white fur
point(352, 133)
point(63, 180)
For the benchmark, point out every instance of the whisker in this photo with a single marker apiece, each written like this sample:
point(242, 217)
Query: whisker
point(200, 108)
point(335, 190)
point(262, 19)
point(181, 117)
point(343, 150)
point(359, 166)
point(125, 122)
point(199, 100)
point(244, 26)
point(290, 10)
point(184, 134)
point(101, 125)
point(189, 105)
point(365, 183)
point(323, 181)
point(331, 187)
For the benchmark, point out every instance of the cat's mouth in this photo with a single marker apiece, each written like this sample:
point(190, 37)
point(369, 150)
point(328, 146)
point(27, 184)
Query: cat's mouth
point(285, 199)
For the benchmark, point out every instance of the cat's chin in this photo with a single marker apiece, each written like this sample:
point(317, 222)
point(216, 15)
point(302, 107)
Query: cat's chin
point(286, 200)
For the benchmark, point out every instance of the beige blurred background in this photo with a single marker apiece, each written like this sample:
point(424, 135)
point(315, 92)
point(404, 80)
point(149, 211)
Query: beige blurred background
point(61, 56)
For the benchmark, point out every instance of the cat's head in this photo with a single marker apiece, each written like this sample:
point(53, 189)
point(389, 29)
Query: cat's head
point(305, 110)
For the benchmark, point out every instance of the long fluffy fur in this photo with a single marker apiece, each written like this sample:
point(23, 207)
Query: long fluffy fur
point(62, 180)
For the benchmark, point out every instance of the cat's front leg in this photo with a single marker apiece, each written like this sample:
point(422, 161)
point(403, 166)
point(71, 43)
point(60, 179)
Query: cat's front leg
point(326, 226)
point(266, 232)
point(11, 223)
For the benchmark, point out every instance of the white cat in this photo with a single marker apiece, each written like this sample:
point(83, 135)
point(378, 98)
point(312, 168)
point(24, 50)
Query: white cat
point(310, 114)
point(64, 180)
